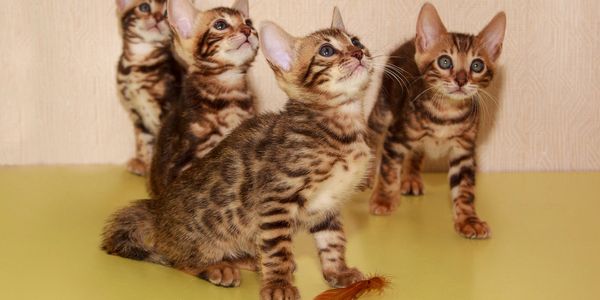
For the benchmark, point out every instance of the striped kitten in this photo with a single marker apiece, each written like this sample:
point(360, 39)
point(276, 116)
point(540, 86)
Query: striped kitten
point(147, 77)
point(217, 47)
point(437, 115)
point(239, 206)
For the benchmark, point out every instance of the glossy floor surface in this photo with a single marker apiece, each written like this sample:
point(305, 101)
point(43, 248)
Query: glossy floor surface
point(545, 244)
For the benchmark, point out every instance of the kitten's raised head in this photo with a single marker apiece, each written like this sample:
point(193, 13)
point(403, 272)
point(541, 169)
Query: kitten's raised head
point(326, 68)
point(457, 65)
point(144, 20)
point(214, 38)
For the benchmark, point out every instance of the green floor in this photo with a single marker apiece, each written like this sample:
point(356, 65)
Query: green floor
point(545, 244)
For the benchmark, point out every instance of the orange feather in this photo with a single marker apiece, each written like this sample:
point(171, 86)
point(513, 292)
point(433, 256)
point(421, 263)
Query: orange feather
point(355, 290)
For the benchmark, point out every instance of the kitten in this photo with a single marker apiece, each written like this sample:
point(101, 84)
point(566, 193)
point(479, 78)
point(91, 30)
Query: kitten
point(148, 77)
point(238, 206)
point(217, 47)
point(436, 115)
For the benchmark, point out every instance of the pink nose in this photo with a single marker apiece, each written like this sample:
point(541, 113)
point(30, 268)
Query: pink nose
point(461, 78)
point(358, 54)
point(246, 30)
point(159, 17)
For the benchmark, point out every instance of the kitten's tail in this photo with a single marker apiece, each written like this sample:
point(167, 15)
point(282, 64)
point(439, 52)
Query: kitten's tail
point(130, 233)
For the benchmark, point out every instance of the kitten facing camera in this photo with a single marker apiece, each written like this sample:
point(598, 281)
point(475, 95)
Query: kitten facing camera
point(148, 76)
point(437, 115)
point(240, 205)
point(217, 47)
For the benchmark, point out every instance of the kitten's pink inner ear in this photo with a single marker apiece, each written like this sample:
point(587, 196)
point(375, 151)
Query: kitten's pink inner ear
point(182, 15)
point(429, 28)
point(492, 36)
point(337, 21)
point(242, 6)
point(277, 45)
point(123, 4)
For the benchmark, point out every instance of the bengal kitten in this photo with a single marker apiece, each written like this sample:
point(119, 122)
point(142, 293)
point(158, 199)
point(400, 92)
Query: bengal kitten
point(217, 47)
point(239, 205)
point(148, 77)
point(436, 115)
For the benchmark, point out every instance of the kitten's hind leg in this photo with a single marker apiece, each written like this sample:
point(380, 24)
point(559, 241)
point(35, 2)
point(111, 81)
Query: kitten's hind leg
point(223, 274)
point(412, 183)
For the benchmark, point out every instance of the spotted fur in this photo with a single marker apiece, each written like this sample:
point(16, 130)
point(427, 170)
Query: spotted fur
point(148, 77)
point(216, 96)
point(241, 203)
point(437, 115)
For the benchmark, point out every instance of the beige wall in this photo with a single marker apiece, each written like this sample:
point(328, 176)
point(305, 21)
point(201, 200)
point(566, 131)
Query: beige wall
point(58, 101)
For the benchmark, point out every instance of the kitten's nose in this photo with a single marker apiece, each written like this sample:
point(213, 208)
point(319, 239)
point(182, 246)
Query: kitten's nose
point(358, 54)
point(246, 30)
point(461, 78)
point(159, 17)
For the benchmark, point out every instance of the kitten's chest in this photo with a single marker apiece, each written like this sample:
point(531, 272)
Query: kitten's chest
point(336, 178)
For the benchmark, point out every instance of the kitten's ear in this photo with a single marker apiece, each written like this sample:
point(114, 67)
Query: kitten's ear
point(492, 36)
point(242, 6)
point(182, 16)
point(277, 45)
point(123, 4)
point(337, 22)
point(429, 28)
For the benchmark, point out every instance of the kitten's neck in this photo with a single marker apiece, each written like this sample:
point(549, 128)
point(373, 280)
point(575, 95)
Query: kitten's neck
point(228, 85)
point(344, 118)
point(145, 53)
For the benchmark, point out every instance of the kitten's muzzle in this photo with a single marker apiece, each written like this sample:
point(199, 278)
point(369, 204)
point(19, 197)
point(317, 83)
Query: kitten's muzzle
point(358, 54)
point(461, 78)
point(246, 30)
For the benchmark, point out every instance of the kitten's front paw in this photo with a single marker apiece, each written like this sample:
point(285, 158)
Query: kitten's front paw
point(472, 228)
point(343, 278)
point(412, 185)
point(222, 275)
point(137, 167)
point(382, 206)
point(279, 290)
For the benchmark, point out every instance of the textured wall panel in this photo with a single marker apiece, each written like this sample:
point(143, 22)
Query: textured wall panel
point(57, 65)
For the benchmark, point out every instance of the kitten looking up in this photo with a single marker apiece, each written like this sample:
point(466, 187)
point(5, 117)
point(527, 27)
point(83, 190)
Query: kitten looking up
point(240, 205)
point(437, 115)
point(217, 47)
point(148, 78)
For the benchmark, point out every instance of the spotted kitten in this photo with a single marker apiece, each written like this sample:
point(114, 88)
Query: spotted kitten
point(239, 206)
point(437, 115)
point(217, 47)
point(148, 77)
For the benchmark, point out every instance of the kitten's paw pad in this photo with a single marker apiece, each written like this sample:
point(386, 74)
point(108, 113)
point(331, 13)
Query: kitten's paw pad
point(473, 228)
point(137, 167)
point(279, 291)
point(381, 206)
point(412, 186)
point(343, 278)
point(222, 275)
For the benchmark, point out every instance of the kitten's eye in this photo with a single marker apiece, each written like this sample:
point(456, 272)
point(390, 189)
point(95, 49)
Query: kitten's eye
point(145, 7)
point(445, 62)
point(477, 65)
point(327, 50)
point(357, 43)
point(249, 22)
point(220, 25)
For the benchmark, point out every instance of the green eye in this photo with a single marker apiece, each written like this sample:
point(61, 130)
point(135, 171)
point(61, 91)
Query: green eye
point(145, 7)
point(477, 65)
point(445, 62)
point(220, 25)
point(327, 50)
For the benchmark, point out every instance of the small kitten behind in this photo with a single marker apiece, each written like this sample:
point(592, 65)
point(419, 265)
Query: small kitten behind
point(436, 115)
point(217, 47)
point(148, 77)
